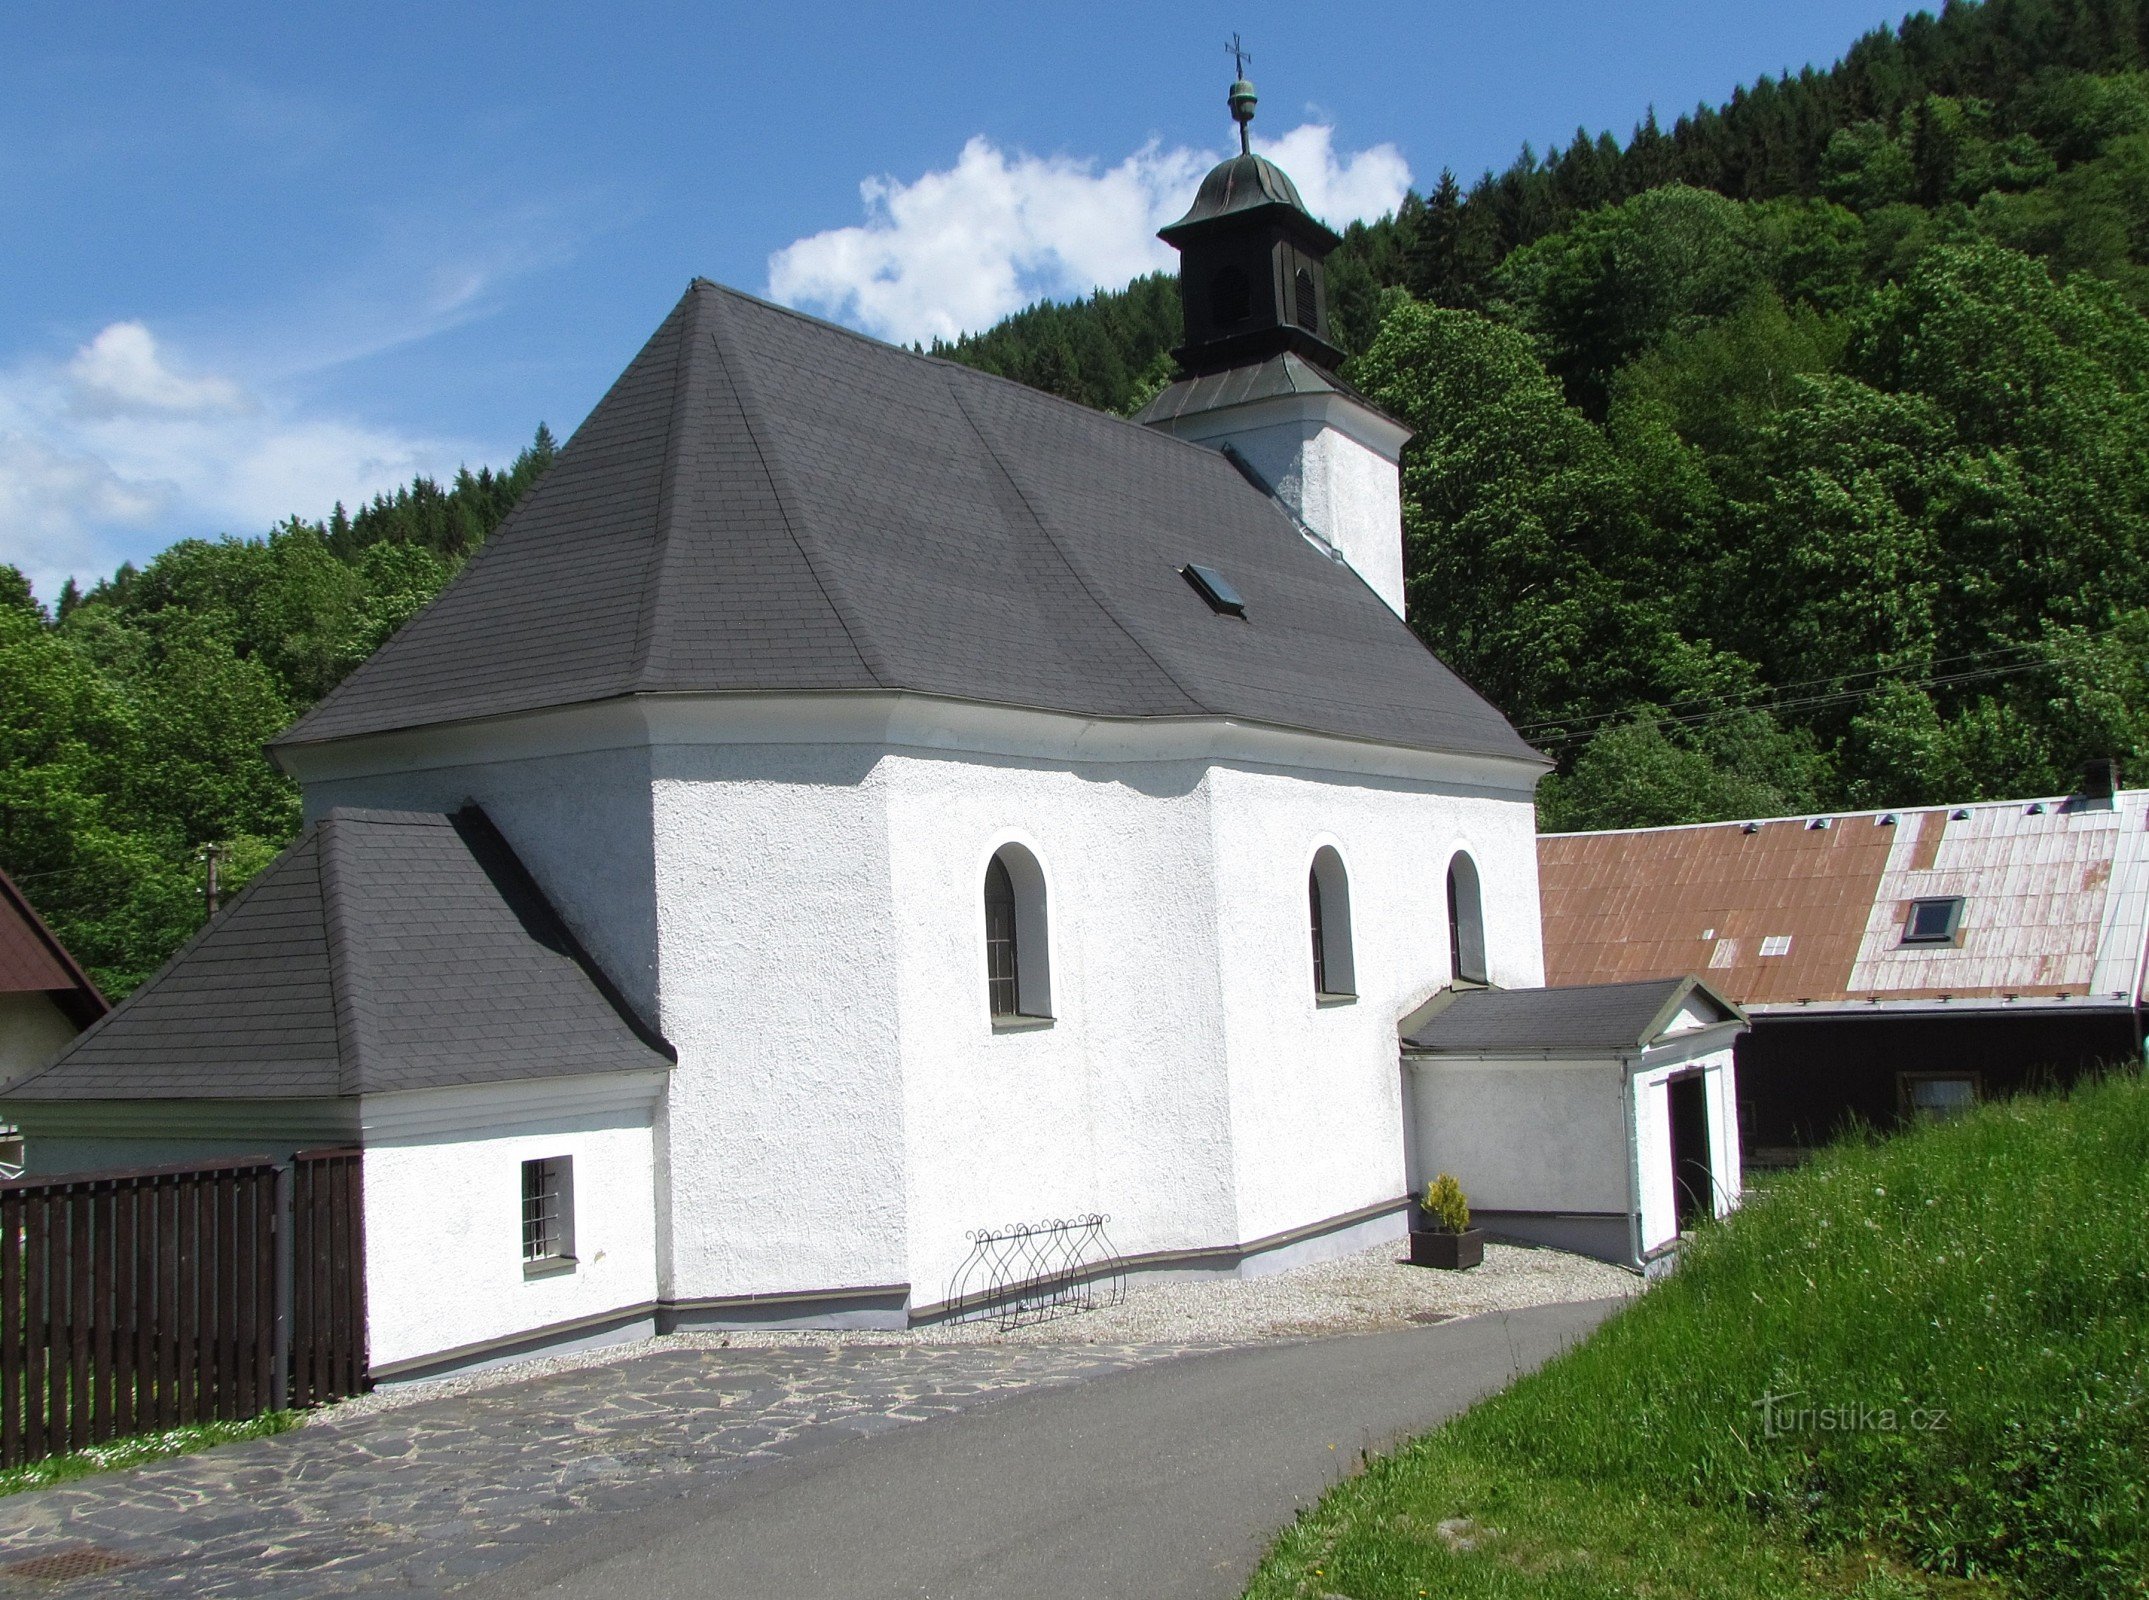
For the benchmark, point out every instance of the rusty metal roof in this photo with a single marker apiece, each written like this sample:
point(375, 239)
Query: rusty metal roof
point(1813, 910)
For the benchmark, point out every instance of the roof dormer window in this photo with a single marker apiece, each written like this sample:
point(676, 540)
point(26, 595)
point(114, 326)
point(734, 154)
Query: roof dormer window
point(1934, 921)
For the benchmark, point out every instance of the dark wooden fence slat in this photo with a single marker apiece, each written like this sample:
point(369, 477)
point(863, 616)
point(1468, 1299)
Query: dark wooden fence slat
point(302, 1318)
point(148, 1299)
point(240, 1288)
point(230, 1282)
point(52, 1371)
point(346, 1366)
point(148, 1308)
point(103, 1202)
point(12, 1360)
point(122, 1325)
point(170, 1221)
point(78, 1322)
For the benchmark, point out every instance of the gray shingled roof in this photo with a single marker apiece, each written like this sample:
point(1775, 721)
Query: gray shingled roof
point(1607, 1016)
point(768, 502)
point(1279, 376)
point(383, 951)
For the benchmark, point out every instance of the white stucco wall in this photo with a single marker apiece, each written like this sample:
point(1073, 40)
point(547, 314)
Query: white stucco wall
point(1317, 1118)
point(784, 1129)
point(444, 1221)
point(1334, 463)
point(1652, 1136)
point(1522, 1135)
point(32, 1029)
point(1120, 1105)
point(801, 882)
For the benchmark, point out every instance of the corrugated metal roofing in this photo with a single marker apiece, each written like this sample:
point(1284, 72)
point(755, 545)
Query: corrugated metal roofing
point(382, 951)
point(2055, 903)
point(767, 502)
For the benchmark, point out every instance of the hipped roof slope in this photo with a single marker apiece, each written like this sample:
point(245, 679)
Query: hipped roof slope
point(767, 502)
point(383, 951)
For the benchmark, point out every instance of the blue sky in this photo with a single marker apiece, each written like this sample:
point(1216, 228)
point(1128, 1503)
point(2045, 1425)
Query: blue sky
point(265, 257)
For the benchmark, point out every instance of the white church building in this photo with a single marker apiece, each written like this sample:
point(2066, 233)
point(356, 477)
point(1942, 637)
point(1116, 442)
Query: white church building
point(854, 801)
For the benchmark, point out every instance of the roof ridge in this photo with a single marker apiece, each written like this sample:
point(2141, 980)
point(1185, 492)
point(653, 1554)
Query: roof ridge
point(977, 373)
point(655, 558)
point(1067, 560)
point(761, 435)
point(352, 1059)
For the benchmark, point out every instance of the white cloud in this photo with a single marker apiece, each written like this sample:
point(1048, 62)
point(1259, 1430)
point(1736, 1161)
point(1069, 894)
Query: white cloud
point(120, 370)
point(115, 451)
point(956, 250)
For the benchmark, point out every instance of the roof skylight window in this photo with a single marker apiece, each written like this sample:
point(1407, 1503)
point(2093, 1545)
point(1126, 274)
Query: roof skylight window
point(1215, 588)
point(1935, 921)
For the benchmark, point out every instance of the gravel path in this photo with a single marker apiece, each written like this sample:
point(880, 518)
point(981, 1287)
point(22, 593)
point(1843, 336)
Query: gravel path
point(1372, 1290)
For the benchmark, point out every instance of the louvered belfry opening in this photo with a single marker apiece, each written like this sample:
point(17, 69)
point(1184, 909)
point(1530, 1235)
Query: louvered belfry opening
point(1000, 970)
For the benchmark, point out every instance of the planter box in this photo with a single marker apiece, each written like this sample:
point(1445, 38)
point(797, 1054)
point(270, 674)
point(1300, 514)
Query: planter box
point(1454, 1251)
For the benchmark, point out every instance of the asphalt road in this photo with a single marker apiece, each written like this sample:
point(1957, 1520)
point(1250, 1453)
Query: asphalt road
point(1162, 1483)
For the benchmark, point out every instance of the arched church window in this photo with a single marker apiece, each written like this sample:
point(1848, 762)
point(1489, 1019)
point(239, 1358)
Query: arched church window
point(1328, 897)
point(1018, 972)
point(1231, 297)
point(1305, 304)
point(1466, 921)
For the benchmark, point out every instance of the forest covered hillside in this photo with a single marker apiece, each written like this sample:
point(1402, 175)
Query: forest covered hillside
point(1791, 457)
point(1794, 457)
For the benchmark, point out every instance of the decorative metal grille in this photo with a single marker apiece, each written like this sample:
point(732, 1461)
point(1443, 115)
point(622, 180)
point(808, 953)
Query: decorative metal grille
point(1000, 969)
point(544, 1209)
point(1036, 1270)
point(1320, 946)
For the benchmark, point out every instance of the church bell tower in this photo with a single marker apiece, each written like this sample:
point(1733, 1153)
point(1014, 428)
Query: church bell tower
point(1257, 370)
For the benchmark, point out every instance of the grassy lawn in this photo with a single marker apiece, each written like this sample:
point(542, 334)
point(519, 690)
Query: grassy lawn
point(138, 1448)
point(1954, 1328)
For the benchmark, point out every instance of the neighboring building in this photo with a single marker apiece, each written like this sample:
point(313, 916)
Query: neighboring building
point(935, 805)
point(1895, 964)
point(45, 997)
point(1597, 1119)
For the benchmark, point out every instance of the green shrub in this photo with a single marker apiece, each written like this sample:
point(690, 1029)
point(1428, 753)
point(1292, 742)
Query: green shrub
point(1447, 1205)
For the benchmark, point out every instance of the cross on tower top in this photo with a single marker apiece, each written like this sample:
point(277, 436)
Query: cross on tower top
point(1242, 94)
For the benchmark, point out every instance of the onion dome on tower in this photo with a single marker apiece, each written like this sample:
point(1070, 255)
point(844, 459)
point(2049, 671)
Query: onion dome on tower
point(1253, 275)
point(1257, 373)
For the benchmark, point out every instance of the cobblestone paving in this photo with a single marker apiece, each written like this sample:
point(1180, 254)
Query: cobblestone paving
point(421, 1499)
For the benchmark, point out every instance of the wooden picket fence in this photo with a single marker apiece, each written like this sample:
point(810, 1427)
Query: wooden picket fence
point(137, 1301)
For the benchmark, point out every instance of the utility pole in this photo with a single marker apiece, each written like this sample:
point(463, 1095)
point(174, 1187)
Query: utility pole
point(211, 857)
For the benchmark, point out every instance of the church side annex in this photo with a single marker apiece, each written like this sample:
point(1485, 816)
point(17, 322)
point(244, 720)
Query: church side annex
point(936, 805)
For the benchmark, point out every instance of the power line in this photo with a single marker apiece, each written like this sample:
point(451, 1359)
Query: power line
point(1580, 729)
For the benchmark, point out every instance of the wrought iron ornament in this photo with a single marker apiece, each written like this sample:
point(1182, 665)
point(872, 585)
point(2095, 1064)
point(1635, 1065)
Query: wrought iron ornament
point(1035, 1270)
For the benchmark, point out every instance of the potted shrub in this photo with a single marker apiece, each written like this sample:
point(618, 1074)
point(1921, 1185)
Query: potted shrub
point(1440, 1231)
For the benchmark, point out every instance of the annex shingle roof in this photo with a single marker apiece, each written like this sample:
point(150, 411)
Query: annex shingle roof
point(383, 951)
point(768, 502)
point(1606, 1016)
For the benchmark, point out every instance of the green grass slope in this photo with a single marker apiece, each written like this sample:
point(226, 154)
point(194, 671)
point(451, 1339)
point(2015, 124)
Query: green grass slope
point(1917, 1367)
